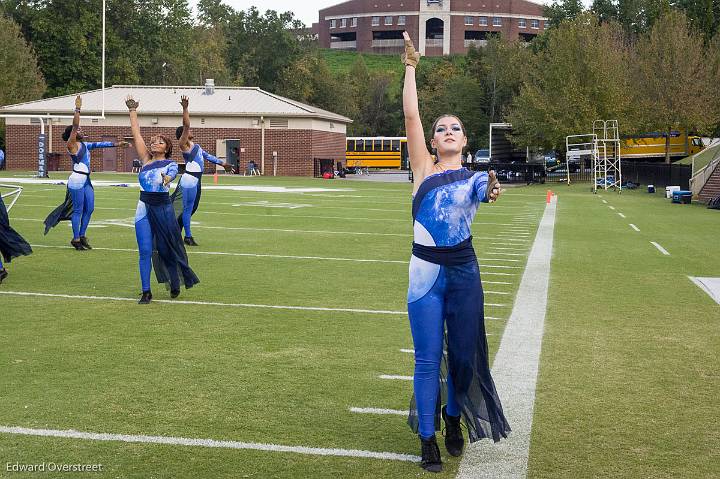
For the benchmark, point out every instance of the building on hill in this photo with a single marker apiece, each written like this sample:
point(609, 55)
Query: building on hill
point(282, 136)
point(445, 26)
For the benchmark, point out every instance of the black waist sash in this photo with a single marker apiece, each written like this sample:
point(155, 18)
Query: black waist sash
point(155, 198)
point(82, 173)
point(458, 254)
point(196, 174)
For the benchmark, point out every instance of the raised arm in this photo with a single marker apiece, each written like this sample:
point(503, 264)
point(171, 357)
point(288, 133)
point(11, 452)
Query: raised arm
point(72, 144)
point(185, 137)
point(213, 159)
point(140, 146)
point(420, 159)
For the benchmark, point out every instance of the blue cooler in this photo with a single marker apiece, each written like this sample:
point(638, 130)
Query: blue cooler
point(651, 188)
point(682, 196)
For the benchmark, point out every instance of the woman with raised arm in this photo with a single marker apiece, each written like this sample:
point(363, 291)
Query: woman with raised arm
point(155, 222)
point(445, 295)
point(79, 201)
point(190, 184)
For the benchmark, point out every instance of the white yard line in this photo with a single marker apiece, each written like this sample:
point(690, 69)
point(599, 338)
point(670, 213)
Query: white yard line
point(660, 248)
point(621, 215)
point(634, 227)
point(184, 441)
point(516, 366)
point(710, 285)
point(252, 255)
point(395, 377)
point(199, 303)
point(375, 410)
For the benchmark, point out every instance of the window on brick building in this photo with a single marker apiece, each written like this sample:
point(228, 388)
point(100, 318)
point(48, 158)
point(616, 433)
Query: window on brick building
point(468, 20)
point(388, 20)
point(353, 22)
point(343, 22)
point(521, 23)
point(375, 21)
point(482, 21)
point(333, 23)
point(401, 20)
point(497, 22)
point(534, 23)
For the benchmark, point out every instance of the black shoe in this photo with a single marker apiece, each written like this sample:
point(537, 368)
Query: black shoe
point(454, 441)
point(84, 242)
point(174, 293)
point(3, 274)
point(190, 241)
point(431, 461)
point(77, 244)
point(145, 298)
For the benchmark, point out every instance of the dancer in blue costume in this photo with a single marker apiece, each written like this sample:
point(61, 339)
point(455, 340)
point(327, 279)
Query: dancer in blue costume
point(191, 181)
point(156, 227)
point(79, 201)
point(12, 244)
point(445, 296)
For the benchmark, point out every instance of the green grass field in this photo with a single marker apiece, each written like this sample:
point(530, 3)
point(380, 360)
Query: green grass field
point(629, 369)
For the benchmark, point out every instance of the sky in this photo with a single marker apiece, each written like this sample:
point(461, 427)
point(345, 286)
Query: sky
point(304, 10)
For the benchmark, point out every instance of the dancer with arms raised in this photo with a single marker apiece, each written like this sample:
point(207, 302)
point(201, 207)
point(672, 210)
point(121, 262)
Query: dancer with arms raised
point(155, 223)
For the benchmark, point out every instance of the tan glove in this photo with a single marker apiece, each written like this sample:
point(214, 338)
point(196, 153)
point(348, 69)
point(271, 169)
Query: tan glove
point(410, 57)
point(131, 103)
point(493, 187)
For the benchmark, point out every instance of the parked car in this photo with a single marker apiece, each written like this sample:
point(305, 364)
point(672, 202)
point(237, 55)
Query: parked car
point(482, 156)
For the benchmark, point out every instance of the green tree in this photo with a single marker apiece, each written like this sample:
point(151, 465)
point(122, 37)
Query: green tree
point(20, 76)
point(605, 10)
point(674, 78)
point(582, 76)
point(260, 47)
point(563, 10)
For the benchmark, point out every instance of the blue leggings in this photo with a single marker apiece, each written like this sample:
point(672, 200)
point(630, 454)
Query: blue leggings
point(144, 236)
point(455, 301)
point(188, 200)
point(83, 206)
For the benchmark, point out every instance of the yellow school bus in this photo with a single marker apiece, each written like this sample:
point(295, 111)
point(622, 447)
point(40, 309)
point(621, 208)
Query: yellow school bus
point(652, 145)
point(376, 152)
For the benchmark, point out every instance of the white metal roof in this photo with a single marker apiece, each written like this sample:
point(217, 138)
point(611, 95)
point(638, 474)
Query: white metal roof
point(165, 100)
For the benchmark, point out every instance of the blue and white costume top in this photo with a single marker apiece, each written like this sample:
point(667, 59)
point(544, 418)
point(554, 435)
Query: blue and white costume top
point(195, 165)
point(151, 180)
point(443, 209)
point(81, 163)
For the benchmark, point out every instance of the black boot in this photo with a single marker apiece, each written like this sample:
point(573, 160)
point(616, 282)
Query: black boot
point(145, 298)
point(84, 242)
point(431, 461)
point(174, 293)
point(190, 241)
point(77, 244)
point(454, 441)
point(3, 274)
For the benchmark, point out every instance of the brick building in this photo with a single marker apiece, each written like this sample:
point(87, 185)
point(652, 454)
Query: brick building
point(446, 26)
point(282, 136)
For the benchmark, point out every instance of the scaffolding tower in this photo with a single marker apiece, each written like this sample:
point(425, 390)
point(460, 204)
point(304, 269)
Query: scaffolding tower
point(607, 164)
point(578, 149)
